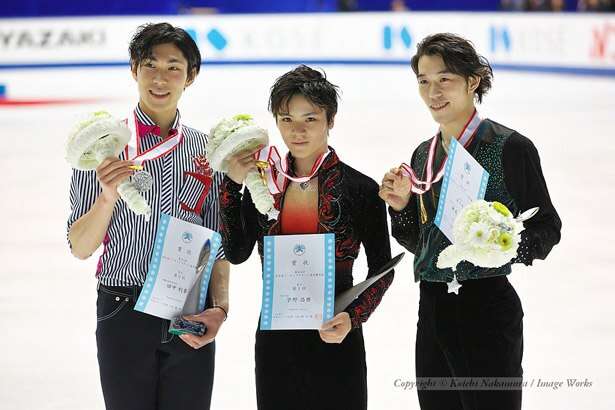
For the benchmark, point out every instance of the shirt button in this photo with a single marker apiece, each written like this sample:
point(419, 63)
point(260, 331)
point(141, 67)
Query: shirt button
point(117, 298)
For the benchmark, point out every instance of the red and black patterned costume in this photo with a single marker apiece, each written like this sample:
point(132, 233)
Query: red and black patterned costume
point(296, 369)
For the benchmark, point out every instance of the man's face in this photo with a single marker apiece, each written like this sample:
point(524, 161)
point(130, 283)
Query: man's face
point(304, 127)
point(162, 79)
point(448, 96)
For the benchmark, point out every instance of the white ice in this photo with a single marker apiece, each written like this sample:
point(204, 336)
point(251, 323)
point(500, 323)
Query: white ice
point(47, 297)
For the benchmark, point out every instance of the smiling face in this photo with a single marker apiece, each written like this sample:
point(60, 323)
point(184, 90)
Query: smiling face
point(449, 97)
point(304, 128)
point(162, 79)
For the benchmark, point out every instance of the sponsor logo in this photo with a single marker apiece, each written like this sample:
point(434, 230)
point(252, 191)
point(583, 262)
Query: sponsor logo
point(499, 38)
point(50, 38)
point(603, 42)
point(214, 37)
point(391, 36)
point(525, 42)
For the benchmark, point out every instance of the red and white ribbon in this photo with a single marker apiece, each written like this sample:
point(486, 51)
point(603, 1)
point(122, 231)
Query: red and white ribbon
point(278, 184)
point(133, 149)
point(465, 138)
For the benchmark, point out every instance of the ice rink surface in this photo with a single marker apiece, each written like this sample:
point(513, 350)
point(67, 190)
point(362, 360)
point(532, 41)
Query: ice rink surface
point(47, 297)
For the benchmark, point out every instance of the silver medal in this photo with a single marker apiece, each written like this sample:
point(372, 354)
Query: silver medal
point(142, 181)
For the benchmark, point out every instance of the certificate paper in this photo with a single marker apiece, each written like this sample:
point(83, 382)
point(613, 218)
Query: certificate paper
point(172, 270)
point(298, 281)
point(344, 299)
point(465, 181)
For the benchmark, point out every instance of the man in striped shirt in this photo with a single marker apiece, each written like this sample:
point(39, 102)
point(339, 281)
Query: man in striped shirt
point(142, 366)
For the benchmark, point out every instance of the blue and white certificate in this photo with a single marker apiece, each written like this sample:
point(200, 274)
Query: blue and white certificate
point(465, 181)
point(172, 269)
point(298, 281)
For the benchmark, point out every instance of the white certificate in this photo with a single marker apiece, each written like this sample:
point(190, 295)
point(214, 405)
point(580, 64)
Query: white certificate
point(298, 281)
point(465, 181)
point(172, 269)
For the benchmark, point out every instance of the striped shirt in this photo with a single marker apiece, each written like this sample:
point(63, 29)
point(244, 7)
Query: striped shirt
point(129, 240)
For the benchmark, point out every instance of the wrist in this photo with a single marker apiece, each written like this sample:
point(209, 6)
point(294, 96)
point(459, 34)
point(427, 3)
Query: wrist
point(107, 201)
point(235, 177)
point(353, 318)
point(223, 309)
point(400, 207)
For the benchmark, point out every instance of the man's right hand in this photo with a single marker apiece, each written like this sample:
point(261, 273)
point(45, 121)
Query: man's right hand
point(395, 189)
point(110, 173)
point(240, 164)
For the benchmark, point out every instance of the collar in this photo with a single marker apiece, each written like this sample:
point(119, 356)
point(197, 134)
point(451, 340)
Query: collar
point(328, 187)
point(331, 160)
point(147, 126)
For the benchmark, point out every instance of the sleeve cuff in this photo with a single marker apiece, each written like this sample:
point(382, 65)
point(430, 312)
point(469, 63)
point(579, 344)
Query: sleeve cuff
point(401, 216)
point(220, 255)
point(355, 319)
point(231, 185)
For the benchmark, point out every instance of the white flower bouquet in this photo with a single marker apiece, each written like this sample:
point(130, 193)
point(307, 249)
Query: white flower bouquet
point(95, 138)
point(486, 234)
point(232, 135)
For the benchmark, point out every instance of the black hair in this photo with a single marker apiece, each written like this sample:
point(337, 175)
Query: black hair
point(310, 83)
point(150, 35)
point(459, 57)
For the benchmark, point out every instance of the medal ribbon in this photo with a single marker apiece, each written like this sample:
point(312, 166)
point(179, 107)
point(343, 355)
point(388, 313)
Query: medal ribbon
point(133, 149)
point(278, 183)
point(465, 138)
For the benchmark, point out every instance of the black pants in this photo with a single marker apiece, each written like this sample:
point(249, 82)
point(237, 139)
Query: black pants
point(296, 370)
point(478, 333)
point(142, 366)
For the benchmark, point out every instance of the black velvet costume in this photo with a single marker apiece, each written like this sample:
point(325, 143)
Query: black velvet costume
point(295, 369)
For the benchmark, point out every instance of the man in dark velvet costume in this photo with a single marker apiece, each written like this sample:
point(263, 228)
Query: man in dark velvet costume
point(478, 332)
point(309, 369)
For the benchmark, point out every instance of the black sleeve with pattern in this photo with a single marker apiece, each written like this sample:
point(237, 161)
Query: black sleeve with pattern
point(525, 182)
point(405, 223)
point(238, 221)
point(375, 239)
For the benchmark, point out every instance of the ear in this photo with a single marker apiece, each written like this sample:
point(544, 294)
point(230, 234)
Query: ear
point(133, 70)
point(331, 123)
point(191, 77)
point(473, 83)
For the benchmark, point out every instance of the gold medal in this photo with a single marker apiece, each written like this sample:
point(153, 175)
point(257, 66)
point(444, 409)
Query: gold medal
point(262, 166)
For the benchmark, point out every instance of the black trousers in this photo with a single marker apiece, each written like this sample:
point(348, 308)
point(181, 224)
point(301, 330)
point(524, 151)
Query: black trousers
point(477, 333)
point(296, 370)
point(142, 366)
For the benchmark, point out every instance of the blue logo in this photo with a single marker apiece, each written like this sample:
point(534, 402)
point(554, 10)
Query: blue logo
point(299, 249)
point(499, 37)
point(187, 237)
point(467, 168)
point(388, 35)
point(214, 37)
